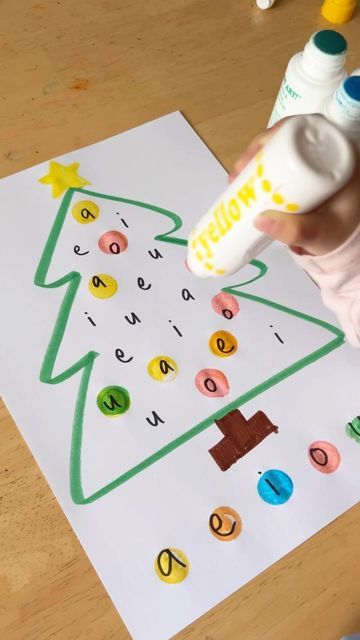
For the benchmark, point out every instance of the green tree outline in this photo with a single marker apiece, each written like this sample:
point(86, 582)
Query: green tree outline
point(85, 364)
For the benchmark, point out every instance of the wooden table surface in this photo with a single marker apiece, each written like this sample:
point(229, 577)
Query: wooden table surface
point(75, 72)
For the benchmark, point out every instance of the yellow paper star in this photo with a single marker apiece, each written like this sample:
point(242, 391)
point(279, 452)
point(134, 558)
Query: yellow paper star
point(62, 178)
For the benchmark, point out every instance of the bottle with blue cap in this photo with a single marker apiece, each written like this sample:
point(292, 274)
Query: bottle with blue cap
point(312, 76)
point(343, 108)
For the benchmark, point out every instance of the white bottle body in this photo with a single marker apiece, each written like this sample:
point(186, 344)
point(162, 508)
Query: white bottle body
point(350, 129)
point(311, 76)
point(305, 162)
point(344, 110)
point(301, 94)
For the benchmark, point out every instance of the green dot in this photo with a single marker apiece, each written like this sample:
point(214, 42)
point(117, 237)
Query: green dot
point(113, 401)
point(352, 429)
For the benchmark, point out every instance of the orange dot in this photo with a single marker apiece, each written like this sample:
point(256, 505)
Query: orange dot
point(225, 524)
point(223, 344)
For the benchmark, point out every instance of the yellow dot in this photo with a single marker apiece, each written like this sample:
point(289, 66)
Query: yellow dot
point(199, 255)
point(223, 344)
point(208, 266)
point(260, 170)
point(171, 565)
point(85, 211)
point(162, 369)
point(278, 199)
point(220, 272)
point(103, 286)
point(292, 207)
point(193, 244)
point(266, 185)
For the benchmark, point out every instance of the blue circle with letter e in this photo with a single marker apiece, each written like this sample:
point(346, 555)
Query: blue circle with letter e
point(275, 487)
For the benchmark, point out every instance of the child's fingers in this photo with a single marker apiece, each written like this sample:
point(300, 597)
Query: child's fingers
point(247, 155)
point(316, 233)
point(253, 148)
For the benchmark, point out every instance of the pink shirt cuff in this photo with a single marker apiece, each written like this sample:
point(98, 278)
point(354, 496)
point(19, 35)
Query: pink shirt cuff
point(338, 276)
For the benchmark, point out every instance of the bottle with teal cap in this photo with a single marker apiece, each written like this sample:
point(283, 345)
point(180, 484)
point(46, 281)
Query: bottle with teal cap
point(312, 76)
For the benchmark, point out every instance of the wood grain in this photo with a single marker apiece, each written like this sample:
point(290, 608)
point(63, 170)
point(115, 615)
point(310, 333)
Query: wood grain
point(73, 73)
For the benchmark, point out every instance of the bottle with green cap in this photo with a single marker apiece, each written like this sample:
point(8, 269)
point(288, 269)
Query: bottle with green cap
point(343, 108)
point(311, 76)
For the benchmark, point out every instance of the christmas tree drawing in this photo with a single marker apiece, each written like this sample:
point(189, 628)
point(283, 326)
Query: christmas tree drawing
point(154, 355)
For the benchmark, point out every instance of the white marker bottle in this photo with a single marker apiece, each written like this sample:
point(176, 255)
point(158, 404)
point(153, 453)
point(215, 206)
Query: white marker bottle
point(343, 108)
point(311, 76)
point(306, 161)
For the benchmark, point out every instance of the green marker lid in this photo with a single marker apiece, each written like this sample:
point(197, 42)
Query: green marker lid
point(330, 42)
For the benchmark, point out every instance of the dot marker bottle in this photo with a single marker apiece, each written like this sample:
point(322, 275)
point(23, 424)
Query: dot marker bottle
point(343, 108)
point(311, 76)
point(338, 11)
point(304, 163)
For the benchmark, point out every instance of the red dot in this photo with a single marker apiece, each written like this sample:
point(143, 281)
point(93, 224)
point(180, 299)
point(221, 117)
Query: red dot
point(324, 456)
point(113, 242)
point(225, 305)
point(212, 383)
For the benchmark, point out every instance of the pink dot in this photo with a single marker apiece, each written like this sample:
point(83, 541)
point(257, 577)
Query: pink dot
point(212, 383)
point(113, 242)
point(324, 456)
point(225, 305)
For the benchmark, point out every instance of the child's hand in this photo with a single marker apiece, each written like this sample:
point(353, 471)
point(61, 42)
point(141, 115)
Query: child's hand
point(318, 232)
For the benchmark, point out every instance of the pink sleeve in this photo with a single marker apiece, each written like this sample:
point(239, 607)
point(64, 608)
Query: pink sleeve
point(338, 276)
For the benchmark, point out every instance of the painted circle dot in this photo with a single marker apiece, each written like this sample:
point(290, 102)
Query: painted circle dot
point(113, 242)
point(278, 199)
point(85, 211)
point(223, 344)
point(103, 286)
point(113, 401)
point(352, 429)
point(225, 305)
point(162, 369)
point(260, 170)
point(275, 487)
point(292, 207)
point(266, 185)
point(225, 524)
point(212, 383)
point(324, 456)
point(171, 565)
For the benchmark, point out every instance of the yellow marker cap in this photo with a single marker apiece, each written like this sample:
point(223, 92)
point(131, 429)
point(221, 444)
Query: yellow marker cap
point(338, 11)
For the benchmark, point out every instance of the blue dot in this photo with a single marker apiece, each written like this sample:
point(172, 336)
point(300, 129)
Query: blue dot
point(352, 87)
point(275, 487)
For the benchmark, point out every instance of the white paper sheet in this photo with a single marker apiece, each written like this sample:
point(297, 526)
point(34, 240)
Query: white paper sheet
point(131, 488)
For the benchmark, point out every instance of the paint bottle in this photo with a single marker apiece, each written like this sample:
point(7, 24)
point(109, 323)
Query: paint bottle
point(265, 4)
point(306, 161)
point(338, 11)
point(343, 108)
point(311, 76)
